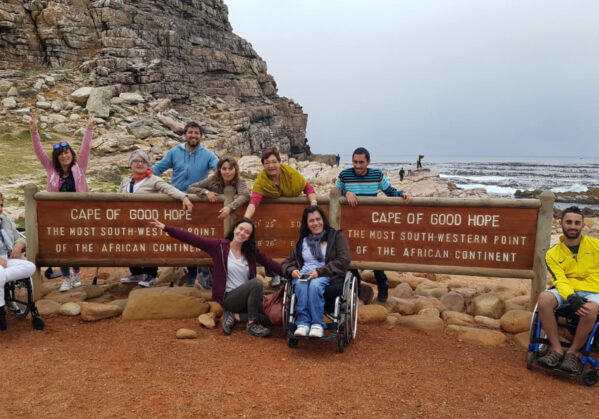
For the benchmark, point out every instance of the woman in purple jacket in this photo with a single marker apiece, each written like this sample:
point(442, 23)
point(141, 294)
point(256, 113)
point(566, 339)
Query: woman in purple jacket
point(65, 173)
point(235, 285)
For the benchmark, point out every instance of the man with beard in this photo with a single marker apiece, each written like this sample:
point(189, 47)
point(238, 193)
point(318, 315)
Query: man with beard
point(191, 163)
point(574, 266)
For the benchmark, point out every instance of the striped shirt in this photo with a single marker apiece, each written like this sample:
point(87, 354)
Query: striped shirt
point(367, 185)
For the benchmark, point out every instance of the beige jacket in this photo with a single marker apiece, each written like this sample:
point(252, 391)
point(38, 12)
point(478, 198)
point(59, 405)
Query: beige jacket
point(241, 197)
point(153, 184)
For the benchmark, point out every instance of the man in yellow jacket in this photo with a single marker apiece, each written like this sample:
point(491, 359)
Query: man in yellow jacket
point(574, 266)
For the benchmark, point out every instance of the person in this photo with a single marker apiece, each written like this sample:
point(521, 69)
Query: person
point(65, 173)
point(142, 180)
point(401, 174)
point(12, 264)
point(319, 258)
point(409, 169)
point(360, 180)
point(574, 266)
point(337, 159)
point(419, 161)
point(191, 163)
point(274, 181)
point(235, 284)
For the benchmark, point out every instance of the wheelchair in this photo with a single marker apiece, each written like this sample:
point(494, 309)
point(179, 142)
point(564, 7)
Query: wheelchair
point(341, 308)
point(539, 344)
point(19, 301)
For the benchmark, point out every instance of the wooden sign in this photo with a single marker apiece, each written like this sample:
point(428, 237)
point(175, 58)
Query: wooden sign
point(118, 233)
point(501, 238)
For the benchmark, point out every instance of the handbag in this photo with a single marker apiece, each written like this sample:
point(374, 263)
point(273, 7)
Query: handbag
point(273, 307)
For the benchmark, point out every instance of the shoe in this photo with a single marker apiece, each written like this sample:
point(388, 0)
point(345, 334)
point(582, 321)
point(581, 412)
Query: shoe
point(551, 360)
point(2, 318)
point(366, 293)
point(571, 364)
point(148, 282)
point(66, 284)
point(228, 322)
point(205, 279)
point(256, 329)
point(75, 280)
point(133, 279)
point(315, 331)
point(190, 282)
point(301, 330)
point(275, 281)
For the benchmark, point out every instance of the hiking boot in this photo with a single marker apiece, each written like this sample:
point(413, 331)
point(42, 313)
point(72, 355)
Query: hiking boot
point(66, 284)
point(366, 293)
point(571, 364)
point(75, 280)
point(256, 329)
point(275, 281)
point(551, 360)
point(228, 322)
point(2, 318)
point(133, 279)
point(148, 282)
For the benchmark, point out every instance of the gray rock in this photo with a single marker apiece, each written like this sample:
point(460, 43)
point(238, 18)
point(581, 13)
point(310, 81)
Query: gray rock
point(453, 301)
point(131, 98)
point(13, 91)
point(5, 85)
point(9, 103)
point(81, 95)
point(39, 84)
point(98, 101)
point(43, 105)
point(57, 105)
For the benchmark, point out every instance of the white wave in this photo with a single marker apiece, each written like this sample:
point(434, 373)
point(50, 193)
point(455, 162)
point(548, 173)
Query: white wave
point(494, 189)
point(482, 179)
point(572, 188)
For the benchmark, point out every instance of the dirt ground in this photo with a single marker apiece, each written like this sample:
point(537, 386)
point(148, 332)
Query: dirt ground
point(114, 368)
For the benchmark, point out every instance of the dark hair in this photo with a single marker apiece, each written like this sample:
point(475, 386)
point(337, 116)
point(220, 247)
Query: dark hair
point(57, 152)
point(248, 248)
point(269, 152)
point(361, 150)
point(574, 210)
point(304, 230)
point(192, 124)
point(217, 175)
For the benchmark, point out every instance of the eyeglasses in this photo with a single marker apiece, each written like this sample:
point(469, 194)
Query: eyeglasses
point(139, 162)
point(62, 144)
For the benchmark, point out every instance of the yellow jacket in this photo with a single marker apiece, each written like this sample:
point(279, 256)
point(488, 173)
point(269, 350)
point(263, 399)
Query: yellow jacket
point(571, 273)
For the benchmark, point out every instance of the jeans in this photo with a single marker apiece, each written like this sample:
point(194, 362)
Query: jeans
point(310, 300)
point(138, 270)
point(66, 271)
point(246, 298)
point(15, 269)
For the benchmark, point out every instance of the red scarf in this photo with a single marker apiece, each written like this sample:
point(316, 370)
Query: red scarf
point(139, 177)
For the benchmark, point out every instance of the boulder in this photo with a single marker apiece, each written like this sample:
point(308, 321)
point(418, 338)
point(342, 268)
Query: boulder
point(92, 291)
point(98, 102)
point(122, 303)
point(164, 303)
point(13, 91)
point(373, 313)
point(489, 305)
point(403, 290)
point(412, 281)
point(426, 302)
point(208, 320)
point(42, 104)
point(9, 103)
point(453, 301)
point(177, 275)
point(130, 98)
point(81, 95)
point(431, 289)
point(405, 307)
point(74, 295)
point(458, 318)
point(522, 339)
point(430, 311)
point(487, 322)
point(521, 300)
point(46, 307)
point(391, 319)
point(480, 336)
point(421, 322)
point(70, 309)
point(516, 321)
point(95, 311)
point(186, 334)
point(216, 308)
point(393, 278)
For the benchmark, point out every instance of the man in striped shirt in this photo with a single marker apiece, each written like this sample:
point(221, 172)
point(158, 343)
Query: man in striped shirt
point(363, 181)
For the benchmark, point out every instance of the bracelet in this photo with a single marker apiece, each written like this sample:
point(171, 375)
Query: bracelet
point(314, 202)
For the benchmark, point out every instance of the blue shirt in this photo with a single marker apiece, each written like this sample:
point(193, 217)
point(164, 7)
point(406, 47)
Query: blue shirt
point(367, 185)
point(188, 166)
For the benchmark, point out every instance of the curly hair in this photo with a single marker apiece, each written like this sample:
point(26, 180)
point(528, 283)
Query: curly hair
point(57, 152)
point(219, 177)
point(248, 248)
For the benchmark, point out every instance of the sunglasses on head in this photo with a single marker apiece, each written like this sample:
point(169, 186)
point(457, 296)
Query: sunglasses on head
point(62, 144)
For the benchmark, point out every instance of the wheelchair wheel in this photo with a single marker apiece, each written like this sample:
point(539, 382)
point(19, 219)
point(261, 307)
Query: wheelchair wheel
point(291, 341)
point(341, 342)
point(530, 355)
point(38, 323)
point(590, 377)
point(19, 305)
point(286, 301)
point(351, 311)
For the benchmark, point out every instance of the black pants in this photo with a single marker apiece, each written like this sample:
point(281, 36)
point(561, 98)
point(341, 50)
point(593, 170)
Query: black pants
point(138, 270)
point(246, 298)
point(381, 280)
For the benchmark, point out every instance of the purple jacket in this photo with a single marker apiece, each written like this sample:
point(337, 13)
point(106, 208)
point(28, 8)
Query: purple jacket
point(218, 249)
point(78, 169)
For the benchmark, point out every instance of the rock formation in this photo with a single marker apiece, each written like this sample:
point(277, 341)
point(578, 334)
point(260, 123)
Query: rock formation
point(182, 50)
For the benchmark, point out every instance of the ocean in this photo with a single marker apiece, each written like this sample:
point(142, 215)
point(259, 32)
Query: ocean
point(502, 176)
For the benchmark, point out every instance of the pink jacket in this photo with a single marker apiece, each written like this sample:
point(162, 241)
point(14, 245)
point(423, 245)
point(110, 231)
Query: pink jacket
point(78, 169)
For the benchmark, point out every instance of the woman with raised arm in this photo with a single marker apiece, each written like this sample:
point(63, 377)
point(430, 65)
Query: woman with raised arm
point(65, 173)
point(320, 258)
point(235, 284)
point(142, 180)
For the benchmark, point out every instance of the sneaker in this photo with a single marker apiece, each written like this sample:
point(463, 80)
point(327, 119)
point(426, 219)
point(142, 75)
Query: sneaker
point(148, 282)
point(75, 280)
point(315, 331)
point(366, 293)
point(571, 364)
point(228, 322)
point(551, 360)
point(256, 329)
point(205, 279)
point(66, 284)
point(190, 282)
point(133, 279)
point(275, 281)
point(301, 330)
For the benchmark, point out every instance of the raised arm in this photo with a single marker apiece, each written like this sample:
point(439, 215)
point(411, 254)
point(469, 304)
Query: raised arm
point(86, 144)
point(37, 143)
point(206, 244)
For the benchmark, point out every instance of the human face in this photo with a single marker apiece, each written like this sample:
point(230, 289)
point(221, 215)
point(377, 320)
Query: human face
point(360, 164)
point(572, 225)
point(227, 171)
point(65, 158)
point(193, 137)
point(139, 166)
point(315, 224)
point(272, 166)
point(242, 232)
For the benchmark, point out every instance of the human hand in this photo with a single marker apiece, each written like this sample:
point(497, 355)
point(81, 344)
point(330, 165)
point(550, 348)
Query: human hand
point(33, 122)
point(187, 205)
point(352, 199)
point(212, 196)
point(312, 274)
point(407, 197)
point(157, 223)
point(224, 213)
point(586, 309)
point(17, 250)
point(576, 302)
point(91, 121)
point(3, 262)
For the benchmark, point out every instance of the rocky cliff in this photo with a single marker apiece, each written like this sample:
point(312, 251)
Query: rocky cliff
point(181, 50)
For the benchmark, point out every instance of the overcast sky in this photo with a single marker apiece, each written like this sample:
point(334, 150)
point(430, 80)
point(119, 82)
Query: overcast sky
point(401, 77)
